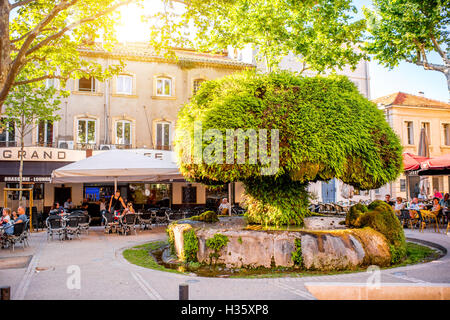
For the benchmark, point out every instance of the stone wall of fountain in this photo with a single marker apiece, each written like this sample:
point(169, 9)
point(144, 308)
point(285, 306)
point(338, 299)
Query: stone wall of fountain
point(336, 249)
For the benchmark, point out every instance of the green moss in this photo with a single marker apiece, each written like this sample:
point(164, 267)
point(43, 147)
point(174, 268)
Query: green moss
point(354, 215)
point(297, 253)
point(207, 216)
point(239, 240)
point(190, 246)
point(171, 237)
point(380, 217)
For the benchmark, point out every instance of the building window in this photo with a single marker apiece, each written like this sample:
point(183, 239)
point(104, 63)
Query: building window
point(402, 185)
point(447, 134)
point(410, 132)
point(124, 84)
point(196, 85)
point(426, 126)
point(86, 131)
point(163, 136)
point(7, 133)
point(49, 83)
point(45, 133)
point(164, 87)
point(123, 132)
point(86, 84)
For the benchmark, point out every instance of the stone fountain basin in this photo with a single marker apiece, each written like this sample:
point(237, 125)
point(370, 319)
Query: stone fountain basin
point(337, 248)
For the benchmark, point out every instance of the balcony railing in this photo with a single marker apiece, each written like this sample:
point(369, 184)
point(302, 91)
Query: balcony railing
point(86, 146)
point(163, 147)
point(4, 144)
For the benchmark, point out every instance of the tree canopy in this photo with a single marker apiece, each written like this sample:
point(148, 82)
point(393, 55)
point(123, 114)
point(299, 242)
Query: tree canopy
point(41, 39)
point(326, 129)
point(410, 30)
point(321, 32)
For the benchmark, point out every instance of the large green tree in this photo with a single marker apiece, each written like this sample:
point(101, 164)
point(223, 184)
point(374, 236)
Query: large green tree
point(321, 33)
point(40, 39)
point(326, 129)
point(410, 30)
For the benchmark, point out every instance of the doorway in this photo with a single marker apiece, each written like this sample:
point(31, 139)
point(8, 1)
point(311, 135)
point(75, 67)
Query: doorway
point(62, 194)
point(329, 191)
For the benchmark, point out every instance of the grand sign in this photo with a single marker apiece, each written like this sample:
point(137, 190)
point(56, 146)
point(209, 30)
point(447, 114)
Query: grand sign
point(41, 154)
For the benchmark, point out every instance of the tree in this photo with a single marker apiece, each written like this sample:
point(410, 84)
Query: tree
point(325, 129)
point(41, 39)
point(25, 107)
point(320, 32)
point(409, 30)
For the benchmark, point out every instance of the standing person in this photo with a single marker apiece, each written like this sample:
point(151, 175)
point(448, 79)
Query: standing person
point(116, 204)
point(225, 207)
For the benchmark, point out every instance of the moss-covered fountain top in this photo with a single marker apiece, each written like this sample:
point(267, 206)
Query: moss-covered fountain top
point(317, 128)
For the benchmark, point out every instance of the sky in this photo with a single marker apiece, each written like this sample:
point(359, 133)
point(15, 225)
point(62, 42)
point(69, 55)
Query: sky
point(405, 77)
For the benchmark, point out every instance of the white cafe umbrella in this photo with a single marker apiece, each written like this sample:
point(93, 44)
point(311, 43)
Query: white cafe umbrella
point(117, 165)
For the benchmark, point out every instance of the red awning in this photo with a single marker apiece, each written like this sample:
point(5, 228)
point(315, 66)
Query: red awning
point(442, 162)
point(412, 162)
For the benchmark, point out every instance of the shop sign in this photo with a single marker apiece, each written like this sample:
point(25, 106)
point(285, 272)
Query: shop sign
point(41, 154)
point(27, 179)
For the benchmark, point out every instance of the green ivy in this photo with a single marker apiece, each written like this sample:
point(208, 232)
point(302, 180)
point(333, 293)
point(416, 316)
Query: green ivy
point(297, 254)
point(216, 243)
point(190, 246)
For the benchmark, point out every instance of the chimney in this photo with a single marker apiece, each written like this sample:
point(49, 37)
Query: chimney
point(88, 153)
point(421, 94)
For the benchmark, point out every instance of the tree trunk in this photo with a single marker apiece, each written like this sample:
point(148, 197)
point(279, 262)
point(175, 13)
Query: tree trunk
point(277, 202)
point(21, 166)
point(5, 45)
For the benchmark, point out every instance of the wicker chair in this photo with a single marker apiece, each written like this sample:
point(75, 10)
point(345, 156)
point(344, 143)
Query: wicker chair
point(145, 219)
point(128, 223)
point(55, 226)
point(110, 224)
point(72, 227)
point(17, 236)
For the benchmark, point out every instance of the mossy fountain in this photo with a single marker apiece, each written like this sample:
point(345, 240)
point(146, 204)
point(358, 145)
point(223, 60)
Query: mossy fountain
point(288, 131)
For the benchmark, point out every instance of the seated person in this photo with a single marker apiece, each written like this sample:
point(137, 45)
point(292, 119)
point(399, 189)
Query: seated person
point(436, 209)
point(7, 224)
point(68, 204)
point(414, 208)
point(445, 202)
point(225, 207)
point(399, 205)
point(85, 204)
point(128, 209)
point(20, 216)
point(388, 200)
point(56, 209)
